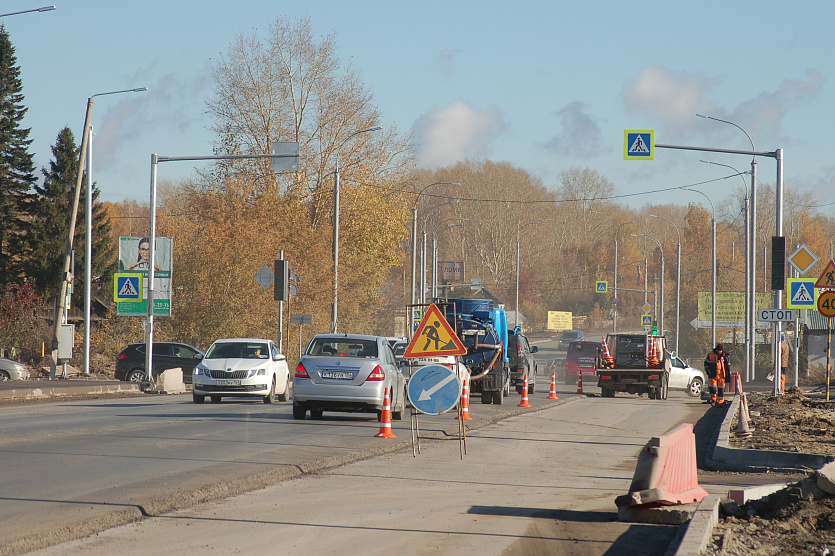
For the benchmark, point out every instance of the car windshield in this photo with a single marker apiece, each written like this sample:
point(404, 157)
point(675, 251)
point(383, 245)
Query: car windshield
point(571, 335)
point(238, 350)
point(343, 347)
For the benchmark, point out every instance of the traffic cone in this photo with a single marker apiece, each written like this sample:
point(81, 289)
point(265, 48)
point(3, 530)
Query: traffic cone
point(610, 361)
point(385, 420)
point(524, 402)
point(580, 382)
point(653, 355)
point(552, 395)
point(464, 414)
point(743, 430)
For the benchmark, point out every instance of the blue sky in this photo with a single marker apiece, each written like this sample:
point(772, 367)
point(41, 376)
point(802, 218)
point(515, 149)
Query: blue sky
point(542, 85)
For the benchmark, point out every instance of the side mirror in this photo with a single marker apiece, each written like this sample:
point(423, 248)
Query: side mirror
point(534, 349)
point(198, 356)
point(279, 357)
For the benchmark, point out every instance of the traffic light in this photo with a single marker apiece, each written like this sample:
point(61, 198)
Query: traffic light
point(655, 328)
point(282, 280)
point(778, 263)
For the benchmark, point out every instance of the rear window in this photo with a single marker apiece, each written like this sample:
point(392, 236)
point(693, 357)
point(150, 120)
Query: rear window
point(343, 347)
point(583, 349)
point(571, 335)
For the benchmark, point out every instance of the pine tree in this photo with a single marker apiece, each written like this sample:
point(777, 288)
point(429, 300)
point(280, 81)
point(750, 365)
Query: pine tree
point(16, 167)
point(50, 210)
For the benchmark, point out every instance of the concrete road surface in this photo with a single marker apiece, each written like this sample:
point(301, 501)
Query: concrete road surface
point(539, 483)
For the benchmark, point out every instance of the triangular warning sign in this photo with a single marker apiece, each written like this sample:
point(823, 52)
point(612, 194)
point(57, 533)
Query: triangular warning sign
point(802, 295)
point(638, 146)
point(827, 279)
point(128, 290)
point(434, 336)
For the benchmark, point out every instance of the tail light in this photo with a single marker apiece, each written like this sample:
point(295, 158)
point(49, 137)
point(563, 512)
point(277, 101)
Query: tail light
point(449, 366)
point(301, 372)
point(121, 356)
point(377, 374)
point(605, 377)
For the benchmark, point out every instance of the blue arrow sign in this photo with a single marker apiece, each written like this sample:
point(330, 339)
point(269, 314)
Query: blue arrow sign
point(434, 389)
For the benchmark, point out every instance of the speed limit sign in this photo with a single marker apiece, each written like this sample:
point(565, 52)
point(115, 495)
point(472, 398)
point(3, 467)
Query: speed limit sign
point(826, 303)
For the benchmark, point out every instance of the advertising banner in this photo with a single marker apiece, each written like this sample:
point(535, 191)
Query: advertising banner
point(560, 320)
point(134, 253)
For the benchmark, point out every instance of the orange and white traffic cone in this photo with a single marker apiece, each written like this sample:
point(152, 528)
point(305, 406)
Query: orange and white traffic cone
point(464, 414)
point(653, 355)
point(524, 402)
point(385, 419)
point(610, 361)
point(580, 382)
point(552, 395)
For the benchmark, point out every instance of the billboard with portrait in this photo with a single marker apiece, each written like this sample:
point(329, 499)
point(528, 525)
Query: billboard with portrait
point(134, 253)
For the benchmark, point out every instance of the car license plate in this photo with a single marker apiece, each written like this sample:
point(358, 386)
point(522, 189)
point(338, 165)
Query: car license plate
point(228, 382)
point(341, 375)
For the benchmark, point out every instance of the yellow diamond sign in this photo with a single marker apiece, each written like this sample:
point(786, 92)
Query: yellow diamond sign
point(803, 259)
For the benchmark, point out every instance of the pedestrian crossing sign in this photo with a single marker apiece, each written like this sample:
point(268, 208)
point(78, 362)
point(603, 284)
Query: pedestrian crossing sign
point(639, 144)
point(801, 293)
point(646, 321)
point(127, 287)
point(601, 286)
point(434, 337)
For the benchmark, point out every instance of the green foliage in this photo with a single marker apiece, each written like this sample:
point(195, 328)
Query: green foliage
point(16, 166)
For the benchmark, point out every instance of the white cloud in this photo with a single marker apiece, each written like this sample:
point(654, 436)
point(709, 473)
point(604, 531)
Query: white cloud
point(580, 134)
point(456, 132)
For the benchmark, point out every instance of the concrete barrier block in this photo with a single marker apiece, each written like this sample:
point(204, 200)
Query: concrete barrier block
point(826, 478)
point(170, 381)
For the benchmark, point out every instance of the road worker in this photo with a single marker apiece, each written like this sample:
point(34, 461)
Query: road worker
point(718, 368)
point(785, 351)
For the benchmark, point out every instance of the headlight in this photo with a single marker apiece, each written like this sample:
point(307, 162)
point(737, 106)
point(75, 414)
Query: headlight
point(199, 371)
point(261, 372)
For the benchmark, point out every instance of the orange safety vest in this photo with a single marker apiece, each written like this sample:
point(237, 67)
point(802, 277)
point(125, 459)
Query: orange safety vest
point(721, 376)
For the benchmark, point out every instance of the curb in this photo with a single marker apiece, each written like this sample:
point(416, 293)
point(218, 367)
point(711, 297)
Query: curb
point(700, 528)
point(41, 389)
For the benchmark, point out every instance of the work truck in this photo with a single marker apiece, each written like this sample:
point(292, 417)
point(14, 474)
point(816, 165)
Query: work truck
point(637, 365)
point(482, 328)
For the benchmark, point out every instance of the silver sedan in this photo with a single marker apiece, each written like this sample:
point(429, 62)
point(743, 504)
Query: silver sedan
point(348, 372)
point(12, 370)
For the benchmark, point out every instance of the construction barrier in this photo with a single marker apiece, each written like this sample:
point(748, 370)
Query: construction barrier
point(666, 471)
point(610, 361)
point(731, 384)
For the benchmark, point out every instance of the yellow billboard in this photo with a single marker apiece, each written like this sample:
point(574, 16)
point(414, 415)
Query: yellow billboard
point(730, 306)
point(560, 320)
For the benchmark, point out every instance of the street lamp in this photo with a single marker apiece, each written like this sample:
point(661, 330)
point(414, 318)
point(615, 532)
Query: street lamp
point(751, 243)
point(422, 296)
point(516, 307)
point(712, 268)
point(445, 225)
point(615, 289)
point(750, 294)
point(660, 312)
point(414, 233)
point(678, 271)
point(336, 227)
point(88, 233)
point(44, 9)
point(65, 272)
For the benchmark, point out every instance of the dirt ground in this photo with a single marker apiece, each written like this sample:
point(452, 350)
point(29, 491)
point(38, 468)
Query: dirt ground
point(801, 518)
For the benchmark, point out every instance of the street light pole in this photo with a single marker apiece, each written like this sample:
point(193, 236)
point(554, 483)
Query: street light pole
point(414, 235)
point(422, 296)
point(615, 289)
point(516, 306)
point(661, 311)
point(44, 9)
point(678, 272)
point(336, 228)
point(712, 268)
point(88, 235)
point(445, 225)
point(751, 242)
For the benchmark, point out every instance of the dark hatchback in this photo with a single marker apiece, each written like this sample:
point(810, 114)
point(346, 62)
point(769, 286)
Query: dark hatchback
point(130, 362)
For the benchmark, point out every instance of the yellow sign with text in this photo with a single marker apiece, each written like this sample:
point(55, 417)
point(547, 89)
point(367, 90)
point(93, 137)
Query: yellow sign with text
point(730, 306)
point(560, 320)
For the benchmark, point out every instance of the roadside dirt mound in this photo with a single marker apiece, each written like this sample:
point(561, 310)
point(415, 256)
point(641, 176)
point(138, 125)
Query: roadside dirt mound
point(799, 519)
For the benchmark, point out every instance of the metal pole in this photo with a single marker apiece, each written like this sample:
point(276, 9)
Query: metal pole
point(778, 294)
point(615, 289)
point(152, 238)
point(88, 251)
point(414, 252)
point(752, 286)
point(335, 246)
point(281, 313)
point(516, 305)
point(678, 271)
point(434, 270)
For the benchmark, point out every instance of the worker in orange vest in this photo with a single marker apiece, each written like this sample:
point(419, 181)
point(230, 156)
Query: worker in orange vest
point(717, 367)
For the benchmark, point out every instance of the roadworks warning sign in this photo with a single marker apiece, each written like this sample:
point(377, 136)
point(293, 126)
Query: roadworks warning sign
point(434, 337)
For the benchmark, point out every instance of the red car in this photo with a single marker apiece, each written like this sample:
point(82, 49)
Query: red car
point(582, 357)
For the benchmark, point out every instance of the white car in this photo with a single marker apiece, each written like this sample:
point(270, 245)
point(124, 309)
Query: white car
point(12, 370)
point(239, 367)
point(684, 377)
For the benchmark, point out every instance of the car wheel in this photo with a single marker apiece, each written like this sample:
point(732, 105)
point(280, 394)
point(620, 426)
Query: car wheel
point(4, 376)
point(532, 384)
point(299, 411)
point(652, 393)
point(607, 392)
point(270, 398)
point(518, 388)
point(315, 414)
point(285, 396)
point(487, 397)
point(215, 399)
point(694, 390)
point(665, 388)
point(498, 397)
point(198, 398)
point(135, 375)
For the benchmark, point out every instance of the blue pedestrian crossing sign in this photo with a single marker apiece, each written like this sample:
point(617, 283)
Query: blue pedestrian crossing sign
point(639, 144)
point(601, 286)
point(646, 321)
point(801, 293)
point(127, 287)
